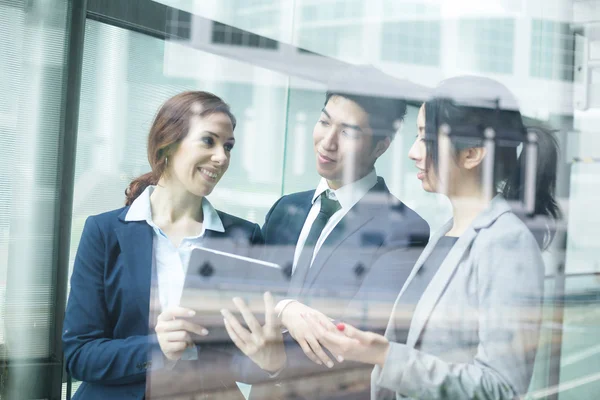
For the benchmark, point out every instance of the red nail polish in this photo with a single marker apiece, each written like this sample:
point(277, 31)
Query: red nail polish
point(340, 326)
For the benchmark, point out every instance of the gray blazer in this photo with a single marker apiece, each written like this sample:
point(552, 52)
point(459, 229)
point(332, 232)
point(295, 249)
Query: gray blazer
point(475, 330)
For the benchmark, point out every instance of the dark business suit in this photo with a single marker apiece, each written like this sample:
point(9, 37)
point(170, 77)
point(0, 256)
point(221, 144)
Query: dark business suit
point(349, 262)
point(106, 336)
point(364, 261)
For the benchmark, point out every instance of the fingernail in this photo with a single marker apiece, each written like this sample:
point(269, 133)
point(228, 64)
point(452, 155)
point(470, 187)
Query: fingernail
point(340, 359)
point(204, 332)
point(223, 312)
point(330, 364)
point(340, 326)
point(191, 313)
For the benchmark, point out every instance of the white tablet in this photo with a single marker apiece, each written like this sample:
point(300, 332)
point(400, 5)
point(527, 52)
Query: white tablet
point(215, 277)
point(219, 270)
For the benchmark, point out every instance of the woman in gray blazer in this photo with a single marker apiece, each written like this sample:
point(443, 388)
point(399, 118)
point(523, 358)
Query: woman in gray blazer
point(466, 323)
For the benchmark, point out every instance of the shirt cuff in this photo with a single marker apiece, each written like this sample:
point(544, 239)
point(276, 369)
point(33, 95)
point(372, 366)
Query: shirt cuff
point(273, 375)
point(280, 307)
point(190, 354)
point(159, 361)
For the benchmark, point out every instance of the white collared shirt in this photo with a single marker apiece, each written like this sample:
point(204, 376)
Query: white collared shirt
point(348, 195)
point(171, 262)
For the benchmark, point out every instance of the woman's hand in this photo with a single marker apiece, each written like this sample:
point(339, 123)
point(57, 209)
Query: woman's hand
point(262, 344)
point(293, 318)
point(349, 343)
point(173, 333)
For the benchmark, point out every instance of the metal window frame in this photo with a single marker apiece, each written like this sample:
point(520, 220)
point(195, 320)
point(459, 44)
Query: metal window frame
point(45, 375)
point(64, 210)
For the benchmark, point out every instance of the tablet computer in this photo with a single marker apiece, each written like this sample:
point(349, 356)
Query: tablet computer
point(215, 277)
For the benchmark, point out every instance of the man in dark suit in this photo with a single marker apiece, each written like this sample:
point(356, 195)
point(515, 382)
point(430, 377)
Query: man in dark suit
point(349, 245)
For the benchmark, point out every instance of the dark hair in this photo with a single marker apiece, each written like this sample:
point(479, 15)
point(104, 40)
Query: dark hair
point(170, 127)
point(379, 94)
point(492, 112)
point(384, 112)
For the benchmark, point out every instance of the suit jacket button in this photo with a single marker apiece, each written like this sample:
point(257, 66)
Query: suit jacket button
point(287, 270)
point(359, 270)
point(206, 270)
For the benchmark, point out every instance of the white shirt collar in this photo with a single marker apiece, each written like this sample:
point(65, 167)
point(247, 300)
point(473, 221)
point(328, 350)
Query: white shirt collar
point(141, 210)
point(350, 194)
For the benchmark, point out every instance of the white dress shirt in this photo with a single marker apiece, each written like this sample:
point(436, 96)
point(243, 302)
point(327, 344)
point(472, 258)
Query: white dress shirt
point(348, 195)
point(171, 262)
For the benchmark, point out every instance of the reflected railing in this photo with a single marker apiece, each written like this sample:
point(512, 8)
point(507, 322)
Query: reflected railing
point(568, 343)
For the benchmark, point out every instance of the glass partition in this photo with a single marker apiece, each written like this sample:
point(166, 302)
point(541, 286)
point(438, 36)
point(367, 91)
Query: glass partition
point(273, 62)
point(533, 53)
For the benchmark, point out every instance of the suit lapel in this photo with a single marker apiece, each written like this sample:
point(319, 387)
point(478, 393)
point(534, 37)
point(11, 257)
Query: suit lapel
point(135, 241)
point(359, 215)
point(295, 217)
point(437, 285)
point(351, 222)
point(497, 207)
point(215, 240)
point(390, 332)
point(425, 254)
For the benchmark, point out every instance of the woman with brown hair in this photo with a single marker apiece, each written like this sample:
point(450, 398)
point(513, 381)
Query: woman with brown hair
point(123, 252)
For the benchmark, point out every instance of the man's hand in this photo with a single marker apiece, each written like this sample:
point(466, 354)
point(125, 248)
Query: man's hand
point(293, 318)
point(262, 344)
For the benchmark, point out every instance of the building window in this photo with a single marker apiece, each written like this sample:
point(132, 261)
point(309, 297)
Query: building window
point(308, 52)
point(263, 17)
point(332, 41)
point(253, 3)
point(487, 45)
point(179, 24)
point(552, 50)
point(228, 35)
point(409, 10)
point(331, 27)
point(331, 10)
point(413, 42)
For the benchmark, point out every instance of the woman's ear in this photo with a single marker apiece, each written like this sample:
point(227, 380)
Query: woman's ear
point(471, 158)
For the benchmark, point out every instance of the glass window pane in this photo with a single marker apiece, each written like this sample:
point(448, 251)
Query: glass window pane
point(528, 47)
point(31, 75)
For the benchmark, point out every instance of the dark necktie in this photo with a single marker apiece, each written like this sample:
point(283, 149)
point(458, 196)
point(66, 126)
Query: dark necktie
point(328, 208)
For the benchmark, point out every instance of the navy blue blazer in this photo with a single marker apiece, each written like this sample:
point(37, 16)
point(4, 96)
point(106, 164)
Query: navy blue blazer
point(363, 262)
point(108, 333)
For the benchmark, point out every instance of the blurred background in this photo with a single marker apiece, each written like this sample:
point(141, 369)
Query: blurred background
point(82, 79)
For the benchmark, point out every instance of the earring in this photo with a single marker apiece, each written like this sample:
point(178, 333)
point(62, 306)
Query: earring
point(167, 161)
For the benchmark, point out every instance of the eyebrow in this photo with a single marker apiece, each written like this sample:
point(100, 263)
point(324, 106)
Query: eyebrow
point(232, 139)
point(355, 127)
